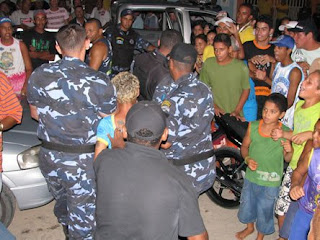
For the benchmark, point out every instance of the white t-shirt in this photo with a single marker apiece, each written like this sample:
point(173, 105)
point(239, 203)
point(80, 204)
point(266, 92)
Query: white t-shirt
point(56, 19)
point(18, 18)
point(309, 56)
point(102, 14)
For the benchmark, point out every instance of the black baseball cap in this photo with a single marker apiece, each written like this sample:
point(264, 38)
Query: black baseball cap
point(305, 26)
point(183, 52)
point(126, 12)
point(146, 115)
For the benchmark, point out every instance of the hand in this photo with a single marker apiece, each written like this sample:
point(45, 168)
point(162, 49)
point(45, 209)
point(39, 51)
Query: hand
point(232, 28)
point(276, 134)
point(252, 164)
point(305, 67)
point(218, 111)
point(300, 138)
point(236, 114)
point(260, 75)
point(24, 90)
point(117, 141)
point(286, 146)
point(296, 192)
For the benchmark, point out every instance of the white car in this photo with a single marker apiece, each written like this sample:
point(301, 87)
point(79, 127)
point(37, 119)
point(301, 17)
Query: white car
point(23, 182)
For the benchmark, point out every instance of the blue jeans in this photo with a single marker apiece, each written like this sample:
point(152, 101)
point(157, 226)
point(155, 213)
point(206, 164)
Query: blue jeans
point(257, 205)
point(300, 226)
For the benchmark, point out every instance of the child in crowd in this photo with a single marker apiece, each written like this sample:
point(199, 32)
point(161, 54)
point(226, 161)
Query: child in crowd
point(127, 89)
point(307, 113)
point(309, 193)
point(286, 76)
point(264, 158)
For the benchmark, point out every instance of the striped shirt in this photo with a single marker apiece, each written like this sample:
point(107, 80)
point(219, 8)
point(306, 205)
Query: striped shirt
point(56, 19)
point(9, 106)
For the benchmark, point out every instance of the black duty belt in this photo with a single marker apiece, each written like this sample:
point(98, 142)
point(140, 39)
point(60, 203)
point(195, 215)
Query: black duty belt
point(192, 159)
point(68, 148)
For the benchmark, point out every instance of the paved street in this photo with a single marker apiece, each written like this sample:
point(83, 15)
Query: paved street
point(40, 223)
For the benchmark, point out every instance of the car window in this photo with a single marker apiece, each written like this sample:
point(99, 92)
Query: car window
point(206, 17)
point(148, 20)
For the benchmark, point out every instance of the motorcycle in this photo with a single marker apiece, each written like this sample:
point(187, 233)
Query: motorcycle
point(230, 166)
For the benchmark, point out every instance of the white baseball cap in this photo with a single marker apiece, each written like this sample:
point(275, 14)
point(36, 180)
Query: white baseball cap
point(225, 20)
point(291, 24)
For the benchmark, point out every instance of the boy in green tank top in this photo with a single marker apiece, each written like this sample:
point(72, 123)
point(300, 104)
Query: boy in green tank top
point(264, 158)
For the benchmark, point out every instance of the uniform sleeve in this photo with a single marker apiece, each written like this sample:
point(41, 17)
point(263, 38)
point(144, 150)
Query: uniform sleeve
point(174, 119)
point(33, 89)
point(106, 95)
point(10, 105)
point(141, 43)
point(190, 220)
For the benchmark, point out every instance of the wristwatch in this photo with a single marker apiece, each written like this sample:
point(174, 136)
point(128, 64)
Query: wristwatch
point(1, 127)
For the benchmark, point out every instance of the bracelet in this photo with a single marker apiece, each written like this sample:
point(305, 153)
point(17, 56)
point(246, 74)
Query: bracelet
point(246, 159)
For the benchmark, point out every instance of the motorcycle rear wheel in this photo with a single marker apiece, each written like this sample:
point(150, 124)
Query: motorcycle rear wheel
point(229, 165)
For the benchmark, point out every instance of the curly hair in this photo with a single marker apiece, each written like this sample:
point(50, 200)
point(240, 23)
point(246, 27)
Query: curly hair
point(127, 87)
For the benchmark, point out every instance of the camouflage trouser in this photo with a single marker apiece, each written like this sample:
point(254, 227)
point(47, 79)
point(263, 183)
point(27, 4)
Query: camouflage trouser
point(71, 181)
point(202, 174)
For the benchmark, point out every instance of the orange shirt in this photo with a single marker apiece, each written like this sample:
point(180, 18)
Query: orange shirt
point(9, 105)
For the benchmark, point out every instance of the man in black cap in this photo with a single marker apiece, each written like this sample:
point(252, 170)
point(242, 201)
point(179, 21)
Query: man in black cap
point(189, 104)
point(124, 41)
point(140, 195)
point(307, 47)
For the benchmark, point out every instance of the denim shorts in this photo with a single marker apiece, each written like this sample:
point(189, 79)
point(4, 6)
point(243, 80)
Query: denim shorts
point(257, 205)
point(285, 229)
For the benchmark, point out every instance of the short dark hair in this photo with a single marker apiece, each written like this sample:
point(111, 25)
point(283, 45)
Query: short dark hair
point(279, 100)
point(265, 19)
point(144, 133)
point(201, 36)
point(169, 38)
point(223, 38)
point(97, 21)
point(71, 37)
point(197, 23)
point(248, 5)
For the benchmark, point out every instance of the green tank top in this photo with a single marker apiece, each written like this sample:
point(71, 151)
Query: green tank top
point(269, 156)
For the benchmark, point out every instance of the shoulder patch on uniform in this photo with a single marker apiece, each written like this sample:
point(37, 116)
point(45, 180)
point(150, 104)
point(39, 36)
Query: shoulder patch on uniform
point(166, 105)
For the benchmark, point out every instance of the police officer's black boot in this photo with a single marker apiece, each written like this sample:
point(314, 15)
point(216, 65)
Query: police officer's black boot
point(66, 231)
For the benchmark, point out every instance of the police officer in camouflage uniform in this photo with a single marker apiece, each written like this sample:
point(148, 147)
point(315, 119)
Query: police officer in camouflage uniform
point(124, 41)
point(67, 97)
point(189, 104)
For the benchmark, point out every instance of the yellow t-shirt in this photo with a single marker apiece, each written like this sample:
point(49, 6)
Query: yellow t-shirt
point(107, 4)
point(304, 120)
point(246, 34)
point(208, 52)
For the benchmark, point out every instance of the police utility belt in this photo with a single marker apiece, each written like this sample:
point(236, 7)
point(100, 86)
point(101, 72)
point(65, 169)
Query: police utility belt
point(68, 148)
point(192, 159)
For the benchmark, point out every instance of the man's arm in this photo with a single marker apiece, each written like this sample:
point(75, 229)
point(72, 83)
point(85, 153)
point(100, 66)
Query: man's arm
point(201, 236)
point(298, 174)
point(294, 78)
point(34, 112)
point(97, 54)
point(243, 98)
point(27, 64)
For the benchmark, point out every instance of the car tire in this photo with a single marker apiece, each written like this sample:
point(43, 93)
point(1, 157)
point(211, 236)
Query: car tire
point(7, 205)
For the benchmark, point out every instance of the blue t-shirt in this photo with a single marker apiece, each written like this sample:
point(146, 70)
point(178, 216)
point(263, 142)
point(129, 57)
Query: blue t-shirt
point(105, 127)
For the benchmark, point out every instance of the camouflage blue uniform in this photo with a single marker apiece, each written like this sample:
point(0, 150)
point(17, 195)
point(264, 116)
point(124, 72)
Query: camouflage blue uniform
point(189, 104)
point(123, 46)
point(69, 96)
